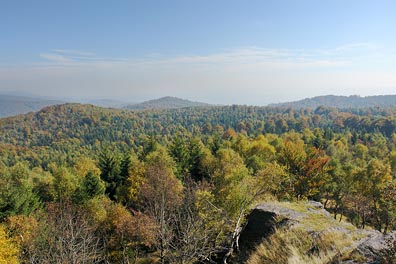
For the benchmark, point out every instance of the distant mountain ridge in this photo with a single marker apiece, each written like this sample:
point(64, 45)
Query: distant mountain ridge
point(167, 102)
point(11, 105)
point(353, 101)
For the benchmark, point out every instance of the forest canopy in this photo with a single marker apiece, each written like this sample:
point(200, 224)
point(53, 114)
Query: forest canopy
point(174, 186)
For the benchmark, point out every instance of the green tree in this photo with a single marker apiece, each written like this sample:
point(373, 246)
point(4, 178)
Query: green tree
point(178, 149)
point(91, 187)
point(16, 192)
point(200, 160)
point(109, 165)
point(65, 183)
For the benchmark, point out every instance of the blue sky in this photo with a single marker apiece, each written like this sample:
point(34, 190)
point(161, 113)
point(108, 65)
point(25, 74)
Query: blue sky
point(246, 52)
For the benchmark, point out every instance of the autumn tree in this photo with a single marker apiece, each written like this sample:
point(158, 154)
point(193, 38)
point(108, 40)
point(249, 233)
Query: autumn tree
point(307, 169)
point(372, 183)
point(65, 183)
point(136, 178)
point(234, 190)
point(386, 214)
point(9, 251)
point(125, 234)
point(161, 194)
point(24, 231)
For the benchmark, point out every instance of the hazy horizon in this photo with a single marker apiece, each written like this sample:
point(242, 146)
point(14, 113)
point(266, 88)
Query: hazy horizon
point(124, 102)
point(227, 52)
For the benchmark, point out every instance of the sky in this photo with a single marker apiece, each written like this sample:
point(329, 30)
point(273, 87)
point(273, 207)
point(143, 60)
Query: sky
point(215, 51)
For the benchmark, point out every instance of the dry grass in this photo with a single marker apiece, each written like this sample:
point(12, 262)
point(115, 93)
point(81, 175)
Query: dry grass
point(316, 239)
point(148, 261)
point(297, 247)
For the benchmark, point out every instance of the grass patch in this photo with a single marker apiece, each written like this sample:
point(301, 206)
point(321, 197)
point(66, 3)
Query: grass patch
point(317, 238)
point(298, 246)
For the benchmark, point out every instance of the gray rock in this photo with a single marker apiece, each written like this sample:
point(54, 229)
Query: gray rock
point(317, 205)
point(372, 244)
point(280, 211)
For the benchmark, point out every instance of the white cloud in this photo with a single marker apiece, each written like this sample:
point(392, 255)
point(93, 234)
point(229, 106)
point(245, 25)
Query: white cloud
point(56, 58)
point(356, 46)
point(73, 52)
point(248, 56)
point(253, 56)
point(78, 57)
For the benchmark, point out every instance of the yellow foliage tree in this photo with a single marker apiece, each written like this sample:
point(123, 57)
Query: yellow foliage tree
point(8, 249)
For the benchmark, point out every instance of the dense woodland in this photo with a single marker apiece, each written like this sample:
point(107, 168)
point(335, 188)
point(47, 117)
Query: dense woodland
point(83, 184)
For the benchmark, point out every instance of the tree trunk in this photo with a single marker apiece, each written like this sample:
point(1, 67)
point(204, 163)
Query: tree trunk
point(235, 237)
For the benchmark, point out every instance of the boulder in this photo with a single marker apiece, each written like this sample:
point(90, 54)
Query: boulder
point(372, 245)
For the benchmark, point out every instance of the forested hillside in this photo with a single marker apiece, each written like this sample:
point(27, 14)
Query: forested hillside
point(352, 101)
point(174, 186)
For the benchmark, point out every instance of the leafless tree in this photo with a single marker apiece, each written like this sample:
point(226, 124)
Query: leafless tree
point(193, 240)
point(66, 237)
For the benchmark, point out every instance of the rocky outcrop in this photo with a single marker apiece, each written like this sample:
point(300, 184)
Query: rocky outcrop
point(360, 246)
point(372, 245)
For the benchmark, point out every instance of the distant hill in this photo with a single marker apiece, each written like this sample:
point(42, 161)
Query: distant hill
point(165, 103)
point(353, 101)
point(11, 105)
